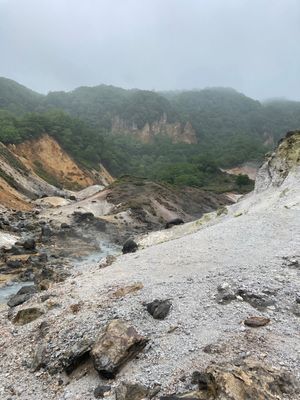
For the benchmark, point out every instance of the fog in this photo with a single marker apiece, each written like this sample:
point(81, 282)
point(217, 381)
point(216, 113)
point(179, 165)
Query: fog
point(250, 45)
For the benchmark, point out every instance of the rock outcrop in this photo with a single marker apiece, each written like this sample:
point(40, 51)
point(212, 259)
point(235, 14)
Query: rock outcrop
point(176, 131)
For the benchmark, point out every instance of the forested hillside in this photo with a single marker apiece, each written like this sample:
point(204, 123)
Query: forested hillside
point(230, 128)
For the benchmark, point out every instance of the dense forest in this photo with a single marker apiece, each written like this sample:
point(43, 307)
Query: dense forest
point(230, 128)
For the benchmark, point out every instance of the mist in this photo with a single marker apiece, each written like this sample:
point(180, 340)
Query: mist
point(252, 46)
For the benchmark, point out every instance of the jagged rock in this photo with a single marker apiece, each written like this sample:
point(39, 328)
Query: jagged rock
point(76, 355)
point(256, 322)
point(252, 380)
point(101, 391)
point(27, 315)
point(119, 344)
point(173, 222)
point(81, 217)
point(130, 246)
point(135, 391)
point(159, 309)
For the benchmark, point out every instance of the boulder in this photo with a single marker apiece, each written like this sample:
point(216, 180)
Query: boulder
point(29, 244)
point(27, 315)
point(101, 391)
point(119, 344)
point(135, 391)
point(173, 222)
point(18, 299)
point(130, 246)
point(159, 309)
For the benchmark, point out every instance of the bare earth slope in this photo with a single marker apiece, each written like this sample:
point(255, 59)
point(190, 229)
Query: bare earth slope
point(244, 263)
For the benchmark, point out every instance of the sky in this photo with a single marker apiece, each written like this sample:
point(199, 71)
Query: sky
point(250, 45)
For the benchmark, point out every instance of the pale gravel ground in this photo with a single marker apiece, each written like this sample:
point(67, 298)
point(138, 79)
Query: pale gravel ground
point(247, 250)
point(244, 248)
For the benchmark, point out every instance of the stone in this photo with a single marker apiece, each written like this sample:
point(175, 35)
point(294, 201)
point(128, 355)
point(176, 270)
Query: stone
point(225, 293)
point(256, 300)
point(159, 309)
point(31, 289)
point(202, 379)
point(101, 391)
point(135, 391)
point(173, 222)
point(76, 355)
point(124, 291)
point(130, 246)
point(18, 299)
point(256, 322)
point(119, 344)
point(29, 244)
point(249, 380)
point(27, 315)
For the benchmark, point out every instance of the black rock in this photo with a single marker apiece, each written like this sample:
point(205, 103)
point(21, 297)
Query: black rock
point(72, 197)
point(18, 299)
point(65, 226)
point(46, 231)
point(100, 391)
point(27, 290)
point(202, 379)
point(15, 250)
point(14, 263)
point(175, 221)
point(83, 216)
point(130, 246)
point(159, 309)
point(29, 244)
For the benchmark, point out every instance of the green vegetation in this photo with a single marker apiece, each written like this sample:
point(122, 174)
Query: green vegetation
point(230, 127)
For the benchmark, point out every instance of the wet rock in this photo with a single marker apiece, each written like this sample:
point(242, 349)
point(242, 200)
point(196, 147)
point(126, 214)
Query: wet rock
point(18, 299)
point(119, 344)
point(130, 246)
point(29, 244)
point(101, 391)
point(135, 391)
point(27, 290)
point(159, 309)
point(256, 322)
point(27, 315)
point(173, 222)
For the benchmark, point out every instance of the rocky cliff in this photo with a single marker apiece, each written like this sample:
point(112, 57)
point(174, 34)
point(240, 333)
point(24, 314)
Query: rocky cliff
point(177, 132)
point(41, 167)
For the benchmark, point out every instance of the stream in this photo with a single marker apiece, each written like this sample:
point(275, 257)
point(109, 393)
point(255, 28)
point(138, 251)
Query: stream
point(107, 248)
